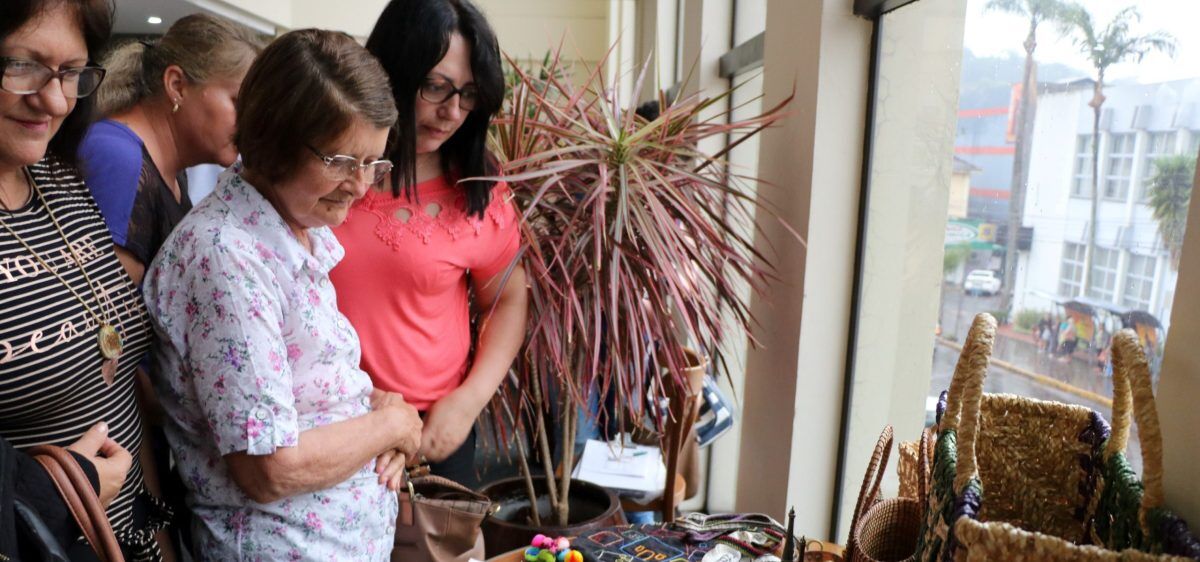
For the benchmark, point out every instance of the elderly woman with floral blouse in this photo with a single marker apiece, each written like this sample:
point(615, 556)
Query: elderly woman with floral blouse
point(287, 451)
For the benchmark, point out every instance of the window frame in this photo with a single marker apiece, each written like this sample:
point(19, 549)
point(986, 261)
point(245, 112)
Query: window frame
point(1108, 269)
point(1081, 173)
point(1072, 261)
point(1153, 152)
point(1143, 280)
point(1127, 142)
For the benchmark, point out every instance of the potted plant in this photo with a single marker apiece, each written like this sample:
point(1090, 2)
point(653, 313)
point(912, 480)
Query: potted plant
point(636, 244)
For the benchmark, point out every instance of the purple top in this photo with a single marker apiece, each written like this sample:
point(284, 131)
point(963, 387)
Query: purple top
point(139, 208)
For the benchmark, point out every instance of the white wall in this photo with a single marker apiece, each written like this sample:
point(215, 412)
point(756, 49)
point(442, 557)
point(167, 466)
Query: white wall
point(818, 51)
point(357, 18)
point(528, 29)
point(1051, 162)
point(1179, 384)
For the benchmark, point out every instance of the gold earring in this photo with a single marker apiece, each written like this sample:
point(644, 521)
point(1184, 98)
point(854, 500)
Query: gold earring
point(175, 109)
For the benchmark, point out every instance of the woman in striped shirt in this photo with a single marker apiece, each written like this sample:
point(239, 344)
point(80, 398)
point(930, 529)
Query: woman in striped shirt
point(72, 328)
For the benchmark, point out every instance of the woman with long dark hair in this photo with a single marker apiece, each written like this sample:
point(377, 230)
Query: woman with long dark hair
point(418, 247)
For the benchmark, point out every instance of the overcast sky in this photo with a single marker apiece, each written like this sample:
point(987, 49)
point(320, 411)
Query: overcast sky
point(993, 33)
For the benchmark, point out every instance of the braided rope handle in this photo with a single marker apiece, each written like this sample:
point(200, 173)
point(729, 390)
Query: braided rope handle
point(966, 395)
point(1132, 393)
point(869, 493)
point(924, 463)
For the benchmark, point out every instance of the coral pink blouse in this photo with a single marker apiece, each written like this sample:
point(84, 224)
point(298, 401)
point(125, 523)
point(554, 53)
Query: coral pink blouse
point(403, 282)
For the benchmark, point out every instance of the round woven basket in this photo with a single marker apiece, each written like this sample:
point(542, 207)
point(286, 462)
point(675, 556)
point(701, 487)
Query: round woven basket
point(888, 531)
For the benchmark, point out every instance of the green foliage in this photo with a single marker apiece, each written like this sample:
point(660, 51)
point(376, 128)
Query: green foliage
point(1116, 42)
point(1170, 192)
point(1001, 316)
point(1027, 319)
point(955, 256)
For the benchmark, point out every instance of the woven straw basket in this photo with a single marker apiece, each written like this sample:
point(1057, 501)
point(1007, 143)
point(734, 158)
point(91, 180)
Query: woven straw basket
point(915, 459)
point(1018, 479)
point(883, 530)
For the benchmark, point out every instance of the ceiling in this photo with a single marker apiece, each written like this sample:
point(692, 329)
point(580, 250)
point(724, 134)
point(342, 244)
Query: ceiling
point(132, 14)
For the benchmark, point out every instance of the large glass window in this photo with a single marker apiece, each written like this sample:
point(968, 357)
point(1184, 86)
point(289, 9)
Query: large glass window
point(1070, 259)
point(1071, 278)
point(1158, 145)
point(1082, 181)
point(1104, 274)
point(1139, 282)
point(1119, 166)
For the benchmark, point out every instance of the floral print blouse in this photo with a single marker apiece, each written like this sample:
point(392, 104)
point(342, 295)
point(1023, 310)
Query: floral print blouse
point(253, 351)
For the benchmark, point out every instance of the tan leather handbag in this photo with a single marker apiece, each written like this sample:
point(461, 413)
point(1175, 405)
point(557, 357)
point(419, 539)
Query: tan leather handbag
point(81, 499)
point(439, 522)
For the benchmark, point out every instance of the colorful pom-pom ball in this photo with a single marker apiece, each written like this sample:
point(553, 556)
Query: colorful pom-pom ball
point(531, 554)
point(538, 539)
point(562, 543)
point(562, 556)
point(574, 556)
point(546, 556)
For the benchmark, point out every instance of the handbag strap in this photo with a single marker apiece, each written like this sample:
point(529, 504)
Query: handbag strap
point(408, 494)
point(869, 493)
point(1132, 392)
point(77, 493)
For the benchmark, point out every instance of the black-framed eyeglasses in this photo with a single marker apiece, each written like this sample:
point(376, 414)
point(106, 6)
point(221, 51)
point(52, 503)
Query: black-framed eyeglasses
point(23, 77)
point(438, 90)
point(339, 167)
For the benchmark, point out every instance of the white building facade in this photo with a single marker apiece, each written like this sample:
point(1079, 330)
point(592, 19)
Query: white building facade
point(1131, 267)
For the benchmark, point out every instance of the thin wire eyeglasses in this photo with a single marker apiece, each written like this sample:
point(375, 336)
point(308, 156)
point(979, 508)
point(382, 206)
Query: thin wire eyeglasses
point(339, 167)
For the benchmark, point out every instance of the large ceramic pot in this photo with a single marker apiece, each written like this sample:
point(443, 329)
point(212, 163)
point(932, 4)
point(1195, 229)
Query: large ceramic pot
point(592, 507)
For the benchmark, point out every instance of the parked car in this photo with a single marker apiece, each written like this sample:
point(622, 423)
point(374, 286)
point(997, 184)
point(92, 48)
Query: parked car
point(982, 282)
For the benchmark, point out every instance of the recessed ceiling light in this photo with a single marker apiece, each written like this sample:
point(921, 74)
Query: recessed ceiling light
point(153, 20)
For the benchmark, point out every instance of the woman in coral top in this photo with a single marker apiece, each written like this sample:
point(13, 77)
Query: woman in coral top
point(418, 246)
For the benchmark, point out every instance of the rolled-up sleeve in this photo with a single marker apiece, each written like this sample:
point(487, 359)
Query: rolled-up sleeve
point(237, 353)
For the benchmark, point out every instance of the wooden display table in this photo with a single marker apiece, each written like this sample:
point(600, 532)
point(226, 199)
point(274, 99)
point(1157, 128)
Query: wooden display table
point(510, 556)
point(817, 552)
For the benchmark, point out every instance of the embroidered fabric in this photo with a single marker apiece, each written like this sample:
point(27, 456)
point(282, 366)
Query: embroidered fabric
point(441, 212)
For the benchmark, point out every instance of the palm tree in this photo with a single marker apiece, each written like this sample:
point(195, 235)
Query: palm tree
point(1035, 12)
point(1105, 47)
point(1170, 191)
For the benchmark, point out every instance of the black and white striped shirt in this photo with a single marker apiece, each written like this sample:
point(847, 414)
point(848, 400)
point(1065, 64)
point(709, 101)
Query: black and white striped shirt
point(51, 387)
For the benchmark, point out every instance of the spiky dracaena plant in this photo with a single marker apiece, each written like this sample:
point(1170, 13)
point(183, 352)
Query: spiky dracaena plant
point(636, 242)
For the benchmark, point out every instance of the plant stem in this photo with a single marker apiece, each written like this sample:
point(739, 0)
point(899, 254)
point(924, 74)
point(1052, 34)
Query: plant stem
point(568, 459)
point(528, 477)
point(544, 443)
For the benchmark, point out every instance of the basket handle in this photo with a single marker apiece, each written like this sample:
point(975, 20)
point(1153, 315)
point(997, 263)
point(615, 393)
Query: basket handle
point(871, 482)
point(966, 394)
point(924, 454)
point(1132, 392)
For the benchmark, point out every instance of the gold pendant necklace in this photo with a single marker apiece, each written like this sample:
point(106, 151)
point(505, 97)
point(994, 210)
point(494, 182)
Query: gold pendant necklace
point(108, 337)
